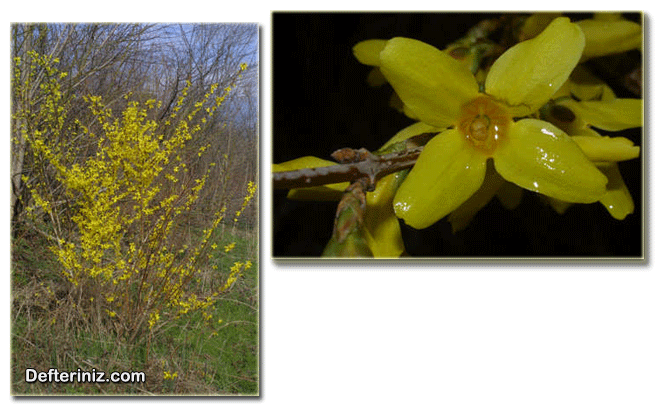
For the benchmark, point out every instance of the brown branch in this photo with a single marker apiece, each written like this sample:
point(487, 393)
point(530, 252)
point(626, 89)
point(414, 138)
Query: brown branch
point(369, 166)
point(356, 164)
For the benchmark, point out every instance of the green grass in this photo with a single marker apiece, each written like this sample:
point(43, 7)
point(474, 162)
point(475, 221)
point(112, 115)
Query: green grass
point(208, 357)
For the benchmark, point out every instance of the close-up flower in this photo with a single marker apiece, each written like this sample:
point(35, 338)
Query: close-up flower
point(584, 98)
point(531, 153)
point(511, 123)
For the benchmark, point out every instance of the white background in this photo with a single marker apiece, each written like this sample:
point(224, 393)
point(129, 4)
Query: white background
point(421, 334)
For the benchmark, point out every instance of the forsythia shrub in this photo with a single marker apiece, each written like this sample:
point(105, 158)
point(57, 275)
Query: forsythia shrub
point(123, 260)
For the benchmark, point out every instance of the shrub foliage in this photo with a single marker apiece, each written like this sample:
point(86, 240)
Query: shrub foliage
point(115, 207)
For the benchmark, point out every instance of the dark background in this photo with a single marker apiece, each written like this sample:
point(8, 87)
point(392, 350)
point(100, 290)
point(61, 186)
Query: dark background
point(321, 102)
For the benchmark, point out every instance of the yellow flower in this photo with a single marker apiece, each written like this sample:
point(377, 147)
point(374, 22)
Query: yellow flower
point(383, 232)
point(606, 152)
point(607, 36)
point(605, 33)
point(531, 153)
point(153, 318)
point(597, 106)
point(585, 102)
point(535, 24)
point(611, 115)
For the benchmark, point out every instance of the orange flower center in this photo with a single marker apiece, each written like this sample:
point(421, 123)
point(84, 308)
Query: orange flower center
point(484, 122)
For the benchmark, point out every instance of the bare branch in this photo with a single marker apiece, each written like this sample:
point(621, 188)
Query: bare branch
point(356, 164)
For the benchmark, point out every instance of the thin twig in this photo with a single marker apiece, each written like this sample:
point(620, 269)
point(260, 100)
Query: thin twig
point(371, 166)
point(355, 164)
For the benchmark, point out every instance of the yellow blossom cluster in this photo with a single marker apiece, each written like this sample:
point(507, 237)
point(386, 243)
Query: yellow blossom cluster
point(498, 127)
point(235, 272)
point(127, 193)
point(251, 190)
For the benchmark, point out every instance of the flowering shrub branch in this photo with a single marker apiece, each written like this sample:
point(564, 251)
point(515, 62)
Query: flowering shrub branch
point(520, 113)
point(122, 259)
point(355, 165)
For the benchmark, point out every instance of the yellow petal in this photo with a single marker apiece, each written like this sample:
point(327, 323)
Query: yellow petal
point(367, 52)
point(383, 230)
point(563, 91)
point(606, 149)
point(397, 104)
point(585, 86)
point(607, 16)
point(384, 238)
point(447, 173)
point(617, 199)
point(559, 206)
point(535, 24)
point(330, 192)
point(461, 217)
point(610, 37)
point(612, 115)
point(410, 131)
point(375, 78)
point(429, 82)
point(529, 73)
point(381, 197)
point(540, 157)
point(301, 163)
point(325, 193)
